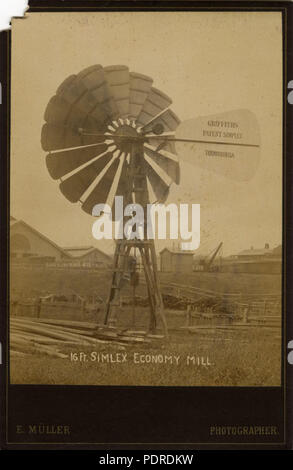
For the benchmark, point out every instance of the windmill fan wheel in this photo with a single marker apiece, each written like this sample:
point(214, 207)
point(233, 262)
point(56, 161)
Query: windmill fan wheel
point(93, 123)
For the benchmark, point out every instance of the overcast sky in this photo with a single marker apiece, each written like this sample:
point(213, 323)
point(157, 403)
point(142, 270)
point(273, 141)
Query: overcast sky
point(206, 62)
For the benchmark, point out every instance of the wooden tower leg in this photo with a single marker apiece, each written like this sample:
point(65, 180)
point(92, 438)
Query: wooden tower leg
point(120, 267)
point(150, 289)
point(160, 306)
point(152, 281)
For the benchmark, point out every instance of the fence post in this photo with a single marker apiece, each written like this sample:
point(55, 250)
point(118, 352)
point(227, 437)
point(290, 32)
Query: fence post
point(39, 306)
point(188, 316)
point(245, 314)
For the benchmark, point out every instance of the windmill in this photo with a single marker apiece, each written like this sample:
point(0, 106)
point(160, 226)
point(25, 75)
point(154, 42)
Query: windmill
point(109, 132)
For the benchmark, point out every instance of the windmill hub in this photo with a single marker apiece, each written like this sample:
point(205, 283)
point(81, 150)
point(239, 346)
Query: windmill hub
point(126, 135)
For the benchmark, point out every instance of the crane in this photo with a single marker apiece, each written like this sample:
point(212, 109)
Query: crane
point(208, 262)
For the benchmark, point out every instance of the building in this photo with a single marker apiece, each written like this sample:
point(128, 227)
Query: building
point(254, 254)
point(255, 261)
point(277, 252)
point(176, 261)
point(29, 245)
point(87, 256)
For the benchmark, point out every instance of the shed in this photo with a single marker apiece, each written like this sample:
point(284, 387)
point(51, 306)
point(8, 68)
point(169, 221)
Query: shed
point(176, 261)
point(87, 256)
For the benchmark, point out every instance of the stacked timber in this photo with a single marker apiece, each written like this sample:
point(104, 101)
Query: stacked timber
point(51, 337)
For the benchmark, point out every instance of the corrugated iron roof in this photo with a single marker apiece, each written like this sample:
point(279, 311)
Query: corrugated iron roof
point(14, 223)
point(80, 251)
point(255, 252)
point(177, 252)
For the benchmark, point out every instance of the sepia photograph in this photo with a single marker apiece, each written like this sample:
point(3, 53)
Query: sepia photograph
point(146, 188)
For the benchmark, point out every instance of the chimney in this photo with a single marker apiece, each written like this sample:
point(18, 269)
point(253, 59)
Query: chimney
point(267, 246)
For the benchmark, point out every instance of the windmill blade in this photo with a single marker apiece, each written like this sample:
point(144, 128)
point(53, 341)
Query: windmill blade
point(103, 103)
point(167, 120)
point(122, 188)
point(140, 86)
point(65, 84)
point(159, 186)
point(78, 103)
point(76, 185)
point(89, 76)
point(155, 103)
point(62, 163)
point(57, 137)
point(229, 143)
point(170, 166)
point(88, 93)
point(120, 185)
point(77, 93)
point(123, 185)
point(77, 119)
point(117, 77)
point(97, 132)
point(88, 89)
point(99, 101)
point(100, 194)
point(57, 110)
point(61, 113)
point(166, 144)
